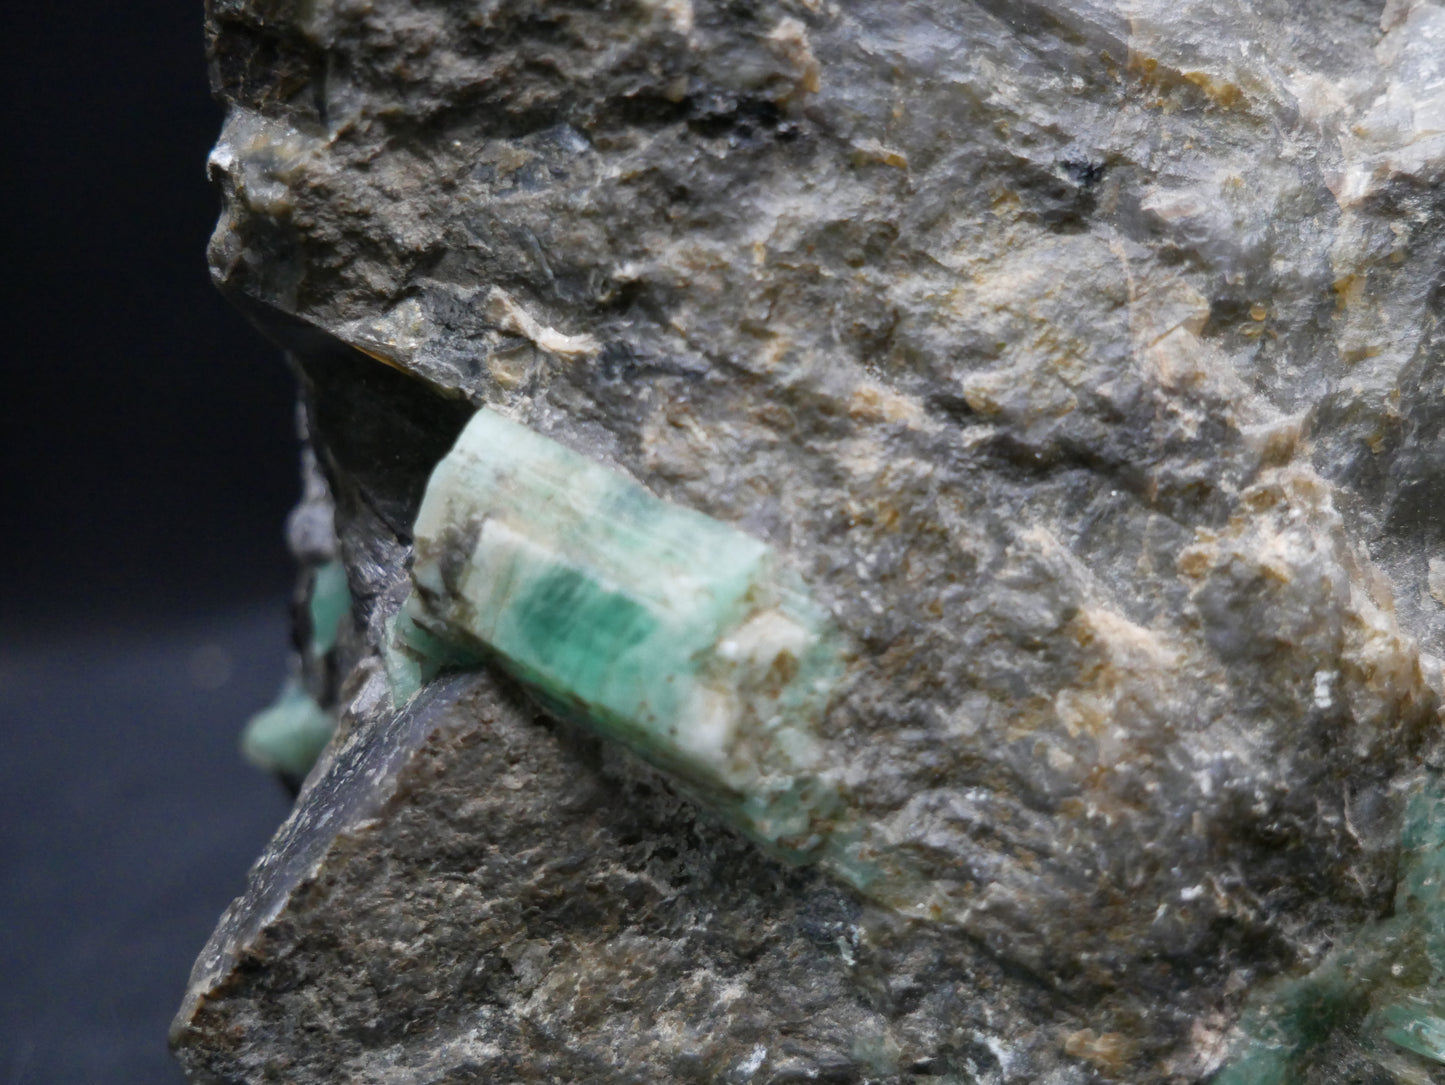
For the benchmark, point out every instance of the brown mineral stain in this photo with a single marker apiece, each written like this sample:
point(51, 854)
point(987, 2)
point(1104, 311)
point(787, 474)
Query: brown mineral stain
point(1361, 353)
point(1348, 290)
point(867, 151)
point(789, 40)
point(1221, 92)
point(1006, 201)
point(383, 359)
point(875, 403)
point(1109, 1051)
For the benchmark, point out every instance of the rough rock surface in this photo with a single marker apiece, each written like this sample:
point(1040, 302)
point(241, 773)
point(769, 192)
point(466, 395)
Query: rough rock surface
point(1081, 356)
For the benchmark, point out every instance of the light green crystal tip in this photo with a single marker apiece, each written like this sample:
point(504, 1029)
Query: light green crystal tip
point(288, 736)
point(659, 627)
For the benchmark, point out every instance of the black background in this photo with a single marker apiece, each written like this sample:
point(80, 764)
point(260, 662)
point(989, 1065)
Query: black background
point(147, 459)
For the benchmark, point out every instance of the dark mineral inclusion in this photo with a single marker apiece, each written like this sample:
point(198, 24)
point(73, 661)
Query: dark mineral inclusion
point(1048, 397)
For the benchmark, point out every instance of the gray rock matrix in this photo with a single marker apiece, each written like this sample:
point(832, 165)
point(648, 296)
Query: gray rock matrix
point(1083, 358)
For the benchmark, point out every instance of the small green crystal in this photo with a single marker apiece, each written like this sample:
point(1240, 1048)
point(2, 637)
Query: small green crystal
point(413, 656)
point(1416, 1029)
point(1383, 985)
point(287, 737)
point(329, 603)
point(671, 632)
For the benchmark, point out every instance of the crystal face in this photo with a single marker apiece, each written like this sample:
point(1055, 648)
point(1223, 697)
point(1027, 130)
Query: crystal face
point(662, 628)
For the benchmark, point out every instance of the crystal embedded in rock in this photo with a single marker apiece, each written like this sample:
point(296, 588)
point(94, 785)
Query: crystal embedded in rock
point(668, 631)
point(1083, 359)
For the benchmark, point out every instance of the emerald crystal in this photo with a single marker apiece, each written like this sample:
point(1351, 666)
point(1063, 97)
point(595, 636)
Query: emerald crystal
point(287, 737)
point(329, 602)
point(1382, 985)
point(659, 627)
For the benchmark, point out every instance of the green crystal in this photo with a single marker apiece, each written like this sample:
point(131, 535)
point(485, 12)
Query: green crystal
point(287, 737)
point(413, 656)
point(661, 628)
point(330, 601)
point(1416, 1028)
point(1382, 986)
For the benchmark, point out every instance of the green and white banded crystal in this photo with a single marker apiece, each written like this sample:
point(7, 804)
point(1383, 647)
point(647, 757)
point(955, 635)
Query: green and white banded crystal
point(659, 627)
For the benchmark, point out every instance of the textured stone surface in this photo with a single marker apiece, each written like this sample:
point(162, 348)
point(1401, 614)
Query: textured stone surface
point(1081, 358)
